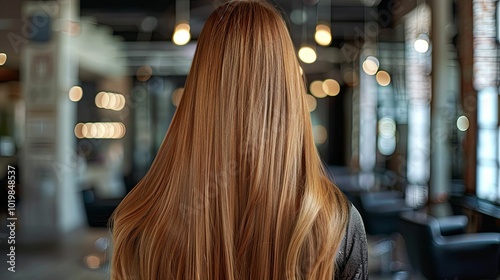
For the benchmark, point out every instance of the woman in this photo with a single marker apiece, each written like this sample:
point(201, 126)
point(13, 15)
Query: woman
point(237, 190)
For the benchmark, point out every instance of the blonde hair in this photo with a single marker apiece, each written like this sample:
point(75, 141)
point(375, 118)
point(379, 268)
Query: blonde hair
point(237, 189)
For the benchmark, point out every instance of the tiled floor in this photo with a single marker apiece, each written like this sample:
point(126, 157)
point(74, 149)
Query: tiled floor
point(70, 259)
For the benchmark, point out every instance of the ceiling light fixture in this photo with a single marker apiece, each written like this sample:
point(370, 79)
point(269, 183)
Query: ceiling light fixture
point(182, 30)
point(307, 52)
point(422, 42)
point(323, 35)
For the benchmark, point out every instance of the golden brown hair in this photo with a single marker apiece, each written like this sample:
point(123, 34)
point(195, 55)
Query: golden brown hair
point(237, 190)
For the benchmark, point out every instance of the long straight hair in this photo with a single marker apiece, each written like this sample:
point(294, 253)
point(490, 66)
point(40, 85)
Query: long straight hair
point(237, 189)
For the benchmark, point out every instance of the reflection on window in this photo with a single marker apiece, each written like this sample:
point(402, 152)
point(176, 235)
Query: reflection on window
point(418, 85)
point(485, 80)
point(487, 145)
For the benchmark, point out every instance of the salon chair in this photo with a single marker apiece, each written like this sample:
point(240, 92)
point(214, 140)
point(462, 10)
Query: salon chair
point(98, 210)
point(380, 212)
point(436, 251)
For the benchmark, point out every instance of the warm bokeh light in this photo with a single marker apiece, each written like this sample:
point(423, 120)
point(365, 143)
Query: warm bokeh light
point(383, 78)
point(110, 101)
point(92, 130)
point(177, 96)
point(144, 73)
point(316, 88)
point(311, 103)
point(421, 44)
point(100, 130)
point(307, 54)
point(121, 102)
point(320, 134)
point(93, 262)
point(3, 58)
point(98, 99)
point(121, 129)
point(85, 130)
point(183, 26)
point(110, 130)
point(105, 100)
point(79, 130)
point(331, 87)
point(323, 35)
point(181, 37)
point(182, 34)
point(462, 123)
point(301, 70)
point(370, 65)
point(75, 93)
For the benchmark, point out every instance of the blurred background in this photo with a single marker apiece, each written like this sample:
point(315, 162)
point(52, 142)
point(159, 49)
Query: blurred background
point(403, 96)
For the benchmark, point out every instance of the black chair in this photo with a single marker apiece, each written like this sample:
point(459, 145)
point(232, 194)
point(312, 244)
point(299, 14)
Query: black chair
point(436, 256)
point(380, 212)
point(98, 210)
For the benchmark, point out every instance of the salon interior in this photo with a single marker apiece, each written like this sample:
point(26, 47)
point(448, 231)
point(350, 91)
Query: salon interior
point(403, 97)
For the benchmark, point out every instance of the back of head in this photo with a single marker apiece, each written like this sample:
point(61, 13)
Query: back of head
point(237, 190)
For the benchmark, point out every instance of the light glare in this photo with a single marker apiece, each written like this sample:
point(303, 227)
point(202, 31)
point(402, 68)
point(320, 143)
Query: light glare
point(323, 35)
point(331, 87)
point(93, 262)
point(98, 99)
point(3, 58)
point(75, 93)
point(370, 65)
point(110, 101)
point(307, 54)
point(79, 130)
point(421, 44)
point(462, 123)
point(181, 37)
point(100, 130)
point(383, 78)
point(316, 89)
point(183, 26)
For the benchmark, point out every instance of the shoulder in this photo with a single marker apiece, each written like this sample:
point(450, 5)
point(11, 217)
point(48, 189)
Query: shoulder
point(352, 256)
point(356, 222)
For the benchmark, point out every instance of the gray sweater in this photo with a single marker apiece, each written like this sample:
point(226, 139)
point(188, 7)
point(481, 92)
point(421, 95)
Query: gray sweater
point(352, 257)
